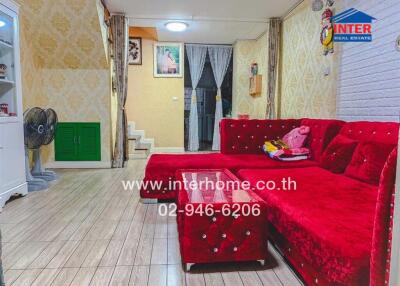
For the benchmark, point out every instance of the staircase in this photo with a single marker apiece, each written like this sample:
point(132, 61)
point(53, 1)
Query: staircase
point(140, 147)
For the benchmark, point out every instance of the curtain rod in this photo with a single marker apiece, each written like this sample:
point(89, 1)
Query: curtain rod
point(210, 45)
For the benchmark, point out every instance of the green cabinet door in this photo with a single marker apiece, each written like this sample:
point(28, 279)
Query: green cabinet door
point(65, 145)
point(77, 142)
point(89, 142)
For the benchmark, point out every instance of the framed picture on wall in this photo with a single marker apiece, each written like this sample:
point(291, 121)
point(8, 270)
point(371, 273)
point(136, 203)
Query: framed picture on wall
point(168, 59)
point(135, 51)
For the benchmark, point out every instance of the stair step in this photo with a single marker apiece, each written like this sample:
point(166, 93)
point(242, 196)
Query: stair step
point(139, 154)
point(134, 137)
point(139, 146)
point(143, 146)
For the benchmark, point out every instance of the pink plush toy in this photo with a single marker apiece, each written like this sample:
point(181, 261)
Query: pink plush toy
point(296, 138)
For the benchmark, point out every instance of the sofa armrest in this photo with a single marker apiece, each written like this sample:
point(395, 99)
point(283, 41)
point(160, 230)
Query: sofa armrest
point(383, 224)
point(248, 136)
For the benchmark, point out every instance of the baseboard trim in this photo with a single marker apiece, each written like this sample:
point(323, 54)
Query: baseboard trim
point(168, 150)
point(78, 165)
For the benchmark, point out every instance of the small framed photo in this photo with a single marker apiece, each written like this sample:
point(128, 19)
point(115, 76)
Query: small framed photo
point(168, 59)
point(135, 51)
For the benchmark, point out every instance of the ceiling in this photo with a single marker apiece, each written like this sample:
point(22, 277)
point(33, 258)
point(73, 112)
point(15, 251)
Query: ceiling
point(210, 21)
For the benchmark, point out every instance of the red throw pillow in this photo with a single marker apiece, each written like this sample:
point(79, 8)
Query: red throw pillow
point(338, 154)
point(368, 161)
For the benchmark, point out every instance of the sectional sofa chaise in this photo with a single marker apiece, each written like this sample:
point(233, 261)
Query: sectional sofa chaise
point(335, 228)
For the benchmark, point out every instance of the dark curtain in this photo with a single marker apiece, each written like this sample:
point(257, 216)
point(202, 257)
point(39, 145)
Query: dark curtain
point(119, 28)
point(274, 41)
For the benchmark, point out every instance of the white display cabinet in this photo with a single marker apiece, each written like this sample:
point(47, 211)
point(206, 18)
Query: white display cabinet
point(12, 157)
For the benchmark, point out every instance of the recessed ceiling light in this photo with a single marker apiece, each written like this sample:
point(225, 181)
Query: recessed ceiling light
point(176, 26)
point(2, 23)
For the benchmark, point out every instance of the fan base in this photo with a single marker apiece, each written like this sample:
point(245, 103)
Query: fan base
point(36, 185)
point(46, 175)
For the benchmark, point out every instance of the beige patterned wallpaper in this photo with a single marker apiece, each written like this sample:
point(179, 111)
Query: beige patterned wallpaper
point(64, 33)
point(64, 64)
point(305, 90)
point(79, 96)
point(32, 84)
point(245, 52)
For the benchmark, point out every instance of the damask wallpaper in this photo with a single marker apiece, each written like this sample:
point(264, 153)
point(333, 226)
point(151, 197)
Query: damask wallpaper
point(305, 90)
point(64, 33)
point(64, 64)
point(32, 83)
point(79, 96)
point(245, 52)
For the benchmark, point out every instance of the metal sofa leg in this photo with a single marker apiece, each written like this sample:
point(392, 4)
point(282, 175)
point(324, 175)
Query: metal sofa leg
point(188, 266)
point(149, 201)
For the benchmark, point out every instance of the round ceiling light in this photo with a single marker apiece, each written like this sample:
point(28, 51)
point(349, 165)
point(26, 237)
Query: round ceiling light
point(176, 26)
point(2, 23)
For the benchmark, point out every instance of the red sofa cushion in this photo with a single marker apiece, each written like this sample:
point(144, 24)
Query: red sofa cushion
point(162, 167)
point(322, 131)
point(368, 160)
point(330, 226)
point(338, 154)
point(241, 147)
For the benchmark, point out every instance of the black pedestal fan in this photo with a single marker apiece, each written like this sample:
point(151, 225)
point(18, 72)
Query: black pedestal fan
point(39, 129)
point(50, 129)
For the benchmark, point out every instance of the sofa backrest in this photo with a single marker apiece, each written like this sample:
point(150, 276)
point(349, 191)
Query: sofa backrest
point(385, 132)
point(322, 131)
point(248, 136)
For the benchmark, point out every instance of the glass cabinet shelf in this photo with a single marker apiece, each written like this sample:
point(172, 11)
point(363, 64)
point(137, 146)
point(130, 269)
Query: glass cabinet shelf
point(8, 88)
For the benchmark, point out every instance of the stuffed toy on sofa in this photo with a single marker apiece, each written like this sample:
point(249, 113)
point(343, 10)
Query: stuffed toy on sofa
point(290, 148)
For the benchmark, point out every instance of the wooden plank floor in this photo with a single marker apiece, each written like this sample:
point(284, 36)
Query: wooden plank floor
point(87, 230)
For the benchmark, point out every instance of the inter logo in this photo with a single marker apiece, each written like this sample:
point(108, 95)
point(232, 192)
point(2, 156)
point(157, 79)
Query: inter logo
point(352, 26)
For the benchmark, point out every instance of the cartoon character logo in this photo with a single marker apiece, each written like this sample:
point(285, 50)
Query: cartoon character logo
point(327, 32)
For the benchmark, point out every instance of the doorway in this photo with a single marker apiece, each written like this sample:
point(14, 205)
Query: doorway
point(206, 92)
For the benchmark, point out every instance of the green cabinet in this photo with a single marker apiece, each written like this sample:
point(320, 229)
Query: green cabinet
point(77, 142)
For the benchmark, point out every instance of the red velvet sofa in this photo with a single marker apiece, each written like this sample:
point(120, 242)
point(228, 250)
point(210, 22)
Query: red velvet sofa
point(241, 148)
point(335, 227)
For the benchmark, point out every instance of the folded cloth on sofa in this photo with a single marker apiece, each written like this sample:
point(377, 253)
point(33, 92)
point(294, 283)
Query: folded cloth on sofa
point(284, 153)
point(290, 148)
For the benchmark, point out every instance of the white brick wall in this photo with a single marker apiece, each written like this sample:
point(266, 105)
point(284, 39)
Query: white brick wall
point(369, 74)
